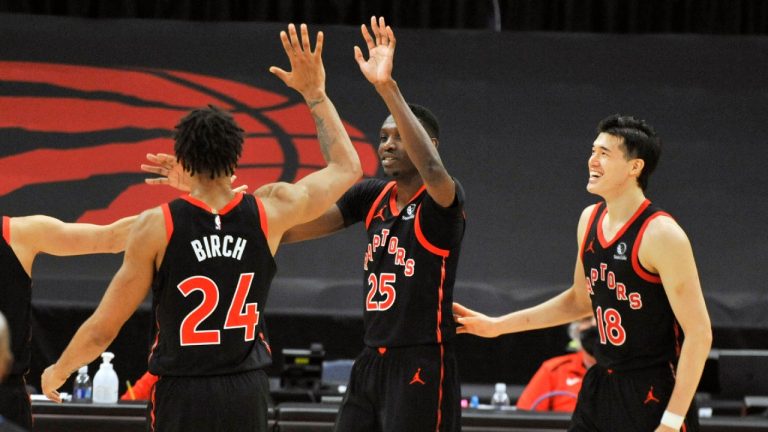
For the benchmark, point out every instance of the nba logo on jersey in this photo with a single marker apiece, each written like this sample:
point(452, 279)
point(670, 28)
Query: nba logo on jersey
point(621, 250)
point(217, 221)
point(409, 212)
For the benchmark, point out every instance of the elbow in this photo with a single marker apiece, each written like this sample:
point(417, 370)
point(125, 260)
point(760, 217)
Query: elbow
point(100, 335)
point(701, 336)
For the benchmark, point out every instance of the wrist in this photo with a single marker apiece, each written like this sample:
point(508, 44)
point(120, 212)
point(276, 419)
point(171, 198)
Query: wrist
point(315, 97)
point(672, 420)
point(385, 86)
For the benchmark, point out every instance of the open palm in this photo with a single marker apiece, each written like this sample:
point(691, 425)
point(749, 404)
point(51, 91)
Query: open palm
point(381, 52)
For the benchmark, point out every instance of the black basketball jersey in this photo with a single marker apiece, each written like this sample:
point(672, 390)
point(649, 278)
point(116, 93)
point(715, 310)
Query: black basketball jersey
point(409, 264)
point(636, 324)
point(15, 301)
point(211, 289)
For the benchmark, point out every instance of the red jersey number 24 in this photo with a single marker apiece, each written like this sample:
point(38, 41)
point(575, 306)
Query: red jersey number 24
point(240, 314)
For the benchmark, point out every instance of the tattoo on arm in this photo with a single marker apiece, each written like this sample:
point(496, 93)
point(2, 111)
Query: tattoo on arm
point(323, 135)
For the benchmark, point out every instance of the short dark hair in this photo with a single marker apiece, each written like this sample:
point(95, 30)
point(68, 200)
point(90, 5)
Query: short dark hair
point(427, 119)
point(208, 140)
point(640, 141)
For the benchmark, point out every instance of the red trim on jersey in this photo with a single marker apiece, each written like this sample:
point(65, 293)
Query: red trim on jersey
point(232, 204)
point(589, 226)
point(154, 406)
point(393, 200)
point(263, 218)
point(376, 202)
point(678, 348)
point(168, 221)
point(423, 240)
point(440, 302)
point(7, 229)
point(440, 390)
point(606, 244)
point(639, 269)
point(199, 203)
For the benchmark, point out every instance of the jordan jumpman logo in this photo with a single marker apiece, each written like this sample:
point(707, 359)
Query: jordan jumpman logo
point(417, 378)
point(651, 397)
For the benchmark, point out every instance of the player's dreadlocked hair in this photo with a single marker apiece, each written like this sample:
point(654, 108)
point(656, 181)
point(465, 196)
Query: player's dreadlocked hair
point(208, 140)
point(640, 141)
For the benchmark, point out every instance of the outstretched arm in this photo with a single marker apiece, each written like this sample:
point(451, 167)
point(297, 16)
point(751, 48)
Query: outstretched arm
point(288, 205)
point(667, 251)
point(570, 305)
point(31, 235)
point(421, 149)
point(127, 290)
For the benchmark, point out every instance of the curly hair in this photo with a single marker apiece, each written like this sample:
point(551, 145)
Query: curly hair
point(208, 141)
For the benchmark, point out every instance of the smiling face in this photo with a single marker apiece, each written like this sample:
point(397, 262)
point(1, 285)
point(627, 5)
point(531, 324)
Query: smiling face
point(394, 159)
point(610, 172)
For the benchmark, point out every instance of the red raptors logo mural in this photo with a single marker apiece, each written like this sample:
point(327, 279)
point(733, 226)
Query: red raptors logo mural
point(78, 134)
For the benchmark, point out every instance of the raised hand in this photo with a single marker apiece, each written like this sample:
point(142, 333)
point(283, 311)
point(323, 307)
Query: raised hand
point(381, 52)
point(172, 174)
point(307, 75)
point(170, 170)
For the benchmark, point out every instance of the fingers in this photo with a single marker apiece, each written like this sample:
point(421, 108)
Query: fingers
point(460, 310)
point(241, 188)
point(359, 56)
point(54, 396)
point(154, 169)
point(283, 75)
point(156, 181)
point(367, 38)
point(382, 34)
point(286, 44)
point(294, 38)
point(319, 44)
point(305, 39)
point(391, 36)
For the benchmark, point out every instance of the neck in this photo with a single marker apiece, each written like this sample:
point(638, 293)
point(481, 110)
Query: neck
point(216, 192)
point(622, 206)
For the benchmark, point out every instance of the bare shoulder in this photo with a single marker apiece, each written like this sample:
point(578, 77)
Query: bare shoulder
point(664, 231)
point(584, 219)
point(278, 191)
point(150, 222)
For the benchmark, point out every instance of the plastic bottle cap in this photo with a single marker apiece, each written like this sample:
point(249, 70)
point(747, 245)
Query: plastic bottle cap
point(107, 356)
point(83, 370)
point(501, 387)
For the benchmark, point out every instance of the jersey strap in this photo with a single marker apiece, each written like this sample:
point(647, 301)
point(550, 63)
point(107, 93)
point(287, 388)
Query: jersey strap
point(376, 202)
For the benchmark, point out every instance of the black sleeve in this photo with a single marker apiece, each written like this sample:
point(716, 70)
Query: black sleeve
point(444, 226)
point(356, 202)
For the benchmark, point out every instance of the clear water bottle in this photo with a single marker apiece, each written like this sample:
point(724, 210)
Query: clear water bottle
point(500, 397)
point(105, 381)
point(83, 389)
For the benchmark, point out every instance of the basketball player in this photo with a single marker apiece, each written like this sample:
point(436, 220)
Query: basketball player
point(415, 225)
point(208, 258)
point(636, 273)
point(6, 360)
point(406, 377)
point(23, 239)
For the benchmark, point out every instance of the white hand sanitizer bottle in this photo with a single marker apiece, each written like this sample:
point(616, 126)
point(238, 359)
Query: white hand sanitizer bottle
point(105, 381)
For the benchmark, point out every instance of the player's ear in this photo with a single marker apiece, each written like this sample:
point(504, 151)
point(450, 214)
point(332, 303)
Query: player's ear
point(435, 142)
